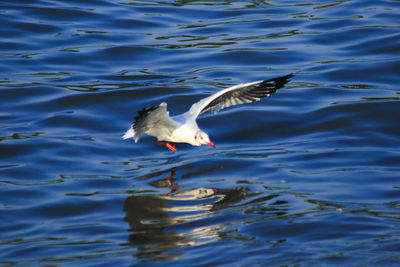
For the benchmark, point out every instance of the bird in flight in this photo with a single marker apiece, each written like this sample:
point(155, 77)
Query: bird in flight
point(155, 121)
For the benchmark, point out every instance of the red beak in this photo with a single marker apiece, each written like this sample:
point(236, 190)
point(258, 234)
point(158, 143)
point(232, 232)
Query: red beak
point(211, 144)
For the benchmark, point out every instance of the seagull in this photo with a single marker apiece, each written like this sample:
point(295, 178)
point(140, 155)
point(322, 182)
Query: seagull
point(155, 121)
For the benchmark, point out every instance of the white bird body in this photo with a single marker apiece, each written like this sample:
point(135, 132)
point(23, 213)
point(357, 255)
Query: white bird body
point(184, 134)
point(155, 121)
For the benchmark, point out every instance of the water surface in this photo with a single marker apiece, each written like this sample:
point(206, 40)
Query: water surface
point(309, 176)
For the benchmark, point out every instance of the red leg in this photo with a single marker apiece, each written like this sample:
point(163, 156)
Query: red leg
point(170, 146)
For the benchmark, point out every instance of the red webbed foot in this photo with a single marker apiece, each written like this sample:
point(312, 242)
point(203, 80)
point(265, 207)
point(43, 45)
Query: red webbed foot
point(170, 146)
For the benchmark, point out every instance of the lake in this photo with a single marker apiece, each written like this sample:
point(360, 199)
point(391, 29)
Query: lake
point(306, 177)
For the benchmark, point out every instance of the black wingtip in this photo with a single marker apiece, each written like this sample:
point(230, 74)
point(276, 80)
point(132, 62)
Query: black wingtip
point(278, 82)
point(142, 114)
point(282, 79)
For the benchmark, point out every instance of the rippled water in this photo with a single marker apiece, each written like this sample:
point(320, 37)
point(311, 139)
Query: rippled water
point(309, 176)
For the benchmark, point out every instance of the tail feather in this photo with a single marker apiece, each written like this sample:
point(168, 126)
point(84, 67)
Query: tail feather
point(130, 133)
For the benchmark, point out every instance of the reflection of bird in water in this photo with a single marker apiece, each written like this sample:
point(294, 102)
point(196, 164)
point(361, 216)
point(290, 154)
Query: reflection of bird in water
point(154, 220)
point(160, 223)
point(155, 121)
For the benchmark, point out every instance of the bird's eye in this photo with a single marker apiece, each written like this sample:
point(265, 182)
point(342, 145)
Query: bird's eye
point(195, 137)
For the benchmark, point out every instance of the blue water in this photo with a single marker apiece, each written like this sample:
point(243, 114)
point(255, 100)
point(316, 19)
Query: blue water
point(306, 177)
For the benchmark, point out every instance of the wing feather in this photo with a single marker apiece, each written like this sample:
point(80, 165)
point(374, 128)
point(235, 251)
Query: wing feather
point(154, 121)
point(238, 94)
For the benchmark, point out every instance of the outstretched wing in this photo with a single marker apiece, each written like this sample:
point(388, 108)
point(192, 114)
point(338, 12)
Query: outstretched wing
point(238, 94)
point(154, 121)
